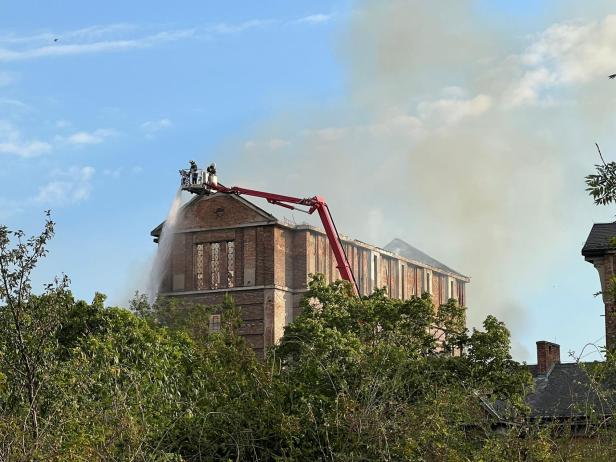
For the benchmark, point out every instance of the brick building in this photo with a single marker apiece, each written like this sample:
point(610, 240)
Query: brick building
point(226, 244)
point(600, 250)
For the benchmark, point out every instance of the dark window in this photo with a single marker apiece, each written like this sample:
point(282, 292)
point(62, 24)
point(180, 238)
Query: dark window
point(375, 271)
point(214, 323)
point(403, 278)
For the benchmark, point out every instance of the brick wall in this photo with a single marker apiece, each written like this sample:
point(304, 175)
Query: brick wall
point(272, 263)
point(606, 266)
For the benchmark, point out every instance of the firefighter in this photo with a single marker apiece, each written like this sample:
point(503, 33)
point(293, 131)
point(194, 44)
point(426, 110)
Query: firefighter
point(193, 171)
point(185, 179)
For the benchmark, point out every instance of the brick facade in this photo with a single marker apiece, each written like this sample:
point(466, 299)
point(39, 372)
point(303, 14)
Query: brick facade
point(600, 250)
point(225, 244)
point(606, 266)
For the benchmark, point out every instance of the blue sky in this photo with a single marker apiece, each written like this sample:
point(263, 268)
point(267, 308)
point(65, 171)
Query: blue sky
point(133, 117)
point(301, 98)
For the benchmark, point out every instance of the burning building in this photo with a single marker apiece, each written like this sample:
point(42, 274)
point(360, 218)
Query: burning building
point(225, 244)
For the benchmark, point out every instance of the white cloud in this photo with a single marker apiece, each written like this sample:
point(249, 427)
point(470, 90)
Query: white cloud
point(117, 38)
point(87, 138)
point(528, 89)
point(14, 104)
point(86, 33)
point(565, 54)
point(225, 28)
point(314, 18)
point(154, 126)
point(67, 187)
point(25, 148)
point(55, 49)
point(13, 143)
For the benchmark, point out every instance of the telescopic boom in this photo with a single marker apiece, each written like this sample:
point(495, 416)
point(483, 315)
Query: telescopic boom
point(197, 181)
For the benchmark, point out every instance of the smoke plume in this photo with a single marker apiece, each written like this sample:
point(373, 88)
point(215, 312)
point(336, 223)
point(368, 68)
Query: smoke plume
point(457, 134)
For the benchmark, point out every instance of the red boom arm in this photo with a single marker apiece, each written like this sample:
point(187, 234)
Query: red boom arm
point(317, 204)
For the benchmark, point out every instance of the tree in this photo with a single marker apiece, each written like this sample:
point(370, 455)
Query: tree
point(375, 378)
point(602, 185)
point(28, 323)
point(368, 378)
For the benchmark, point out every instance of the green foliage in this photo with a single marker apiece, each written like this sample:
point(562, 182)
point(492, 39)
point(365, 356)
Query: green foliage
point(362, 372)
point(366, 378)
point(602, 185)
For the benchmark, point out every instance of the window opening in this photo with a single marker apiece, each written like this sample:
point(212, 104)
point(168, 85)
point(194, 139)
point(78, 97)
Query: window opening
point(230, 264)
point(215, 323)
point(199, 267)
point(215, 265)
point(403, 277)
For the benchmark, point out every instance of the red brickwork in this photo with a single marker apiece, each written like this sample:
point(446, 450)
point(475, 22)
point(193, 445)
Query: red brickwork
point(606, 266)
point(548, 354)
point(271, 265)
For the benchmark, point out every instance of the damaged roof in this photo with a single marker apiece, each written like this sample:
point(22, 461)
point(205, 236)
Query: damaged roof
point(397, 247)
point(406, 250)
point(600, 239)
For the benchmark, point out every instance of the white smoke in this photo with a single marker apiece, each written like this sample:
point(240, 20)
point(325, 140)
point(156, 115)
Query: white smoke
point(160, 266)
point(459, 136)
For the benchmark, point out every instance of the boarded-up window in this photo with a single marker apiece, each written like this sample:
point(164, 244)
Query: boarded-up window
point(217, 257)
point(199, 282)
point(214, 323)
point(230, 264)
point(359, 273)
point(215, 265)
point(443, 287)
point(375, 271)
point(403, 279)
point(387, 276)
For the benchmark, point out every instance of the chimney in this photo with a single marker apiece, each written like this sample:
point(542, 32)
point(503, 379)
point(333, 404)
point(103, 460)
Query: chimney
point(548, 353)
